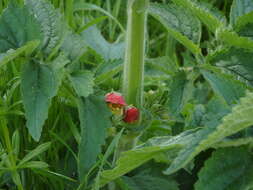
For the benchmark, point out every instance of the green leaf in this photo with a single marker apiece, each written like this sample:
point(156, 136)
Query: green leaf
point(34, 165)
point(17, 27)
point(82, 82)
point(179, 23)
point(233, 142)
point(108, 70)
point(224, 85)
point(12, 54)
point(51, 23)
point(80, 6)
point(149, 182)
point(39, 84)
point(238, 61)
point(109, 151)
point(234, 40)
point(239, 9)
point(179, 93)
point(108, 51)
point(239, 119)
point(211, 17)
point(132, 159)
point(37, 151)
point(73, 46)
point(225, 170)
point(94, 117)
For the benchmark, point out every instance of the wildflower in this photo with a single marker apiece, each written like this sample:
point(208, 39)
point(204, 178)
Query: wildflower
point(115, 102)
point(131, 114)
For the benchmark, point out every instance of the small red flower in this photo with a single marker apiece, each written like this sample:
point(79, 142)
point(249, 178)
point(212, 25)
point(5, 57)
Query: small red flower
point(131, 115)
point(116, 102)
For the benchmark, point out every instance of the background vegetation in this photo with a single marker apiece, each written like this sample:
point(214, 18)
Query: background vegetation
point(59, 58)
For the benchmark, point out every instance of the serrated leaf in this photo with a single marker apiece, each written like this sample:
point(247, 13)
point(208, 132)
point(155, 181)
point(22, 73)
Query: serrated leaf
point(12, 54)
point(73, 46)
point(224, 85)
point(37, 151)
point(179, 23)
point(206, 14)
point(225, 170)
point(51, 24)
point(94, 118)
point(39, 84)
point(17, 27)
point(108, 51)
point(82, 82)
point(240, 8)
point(132, 159)
point(238, 61)
point(233, 39)
point(239, 119)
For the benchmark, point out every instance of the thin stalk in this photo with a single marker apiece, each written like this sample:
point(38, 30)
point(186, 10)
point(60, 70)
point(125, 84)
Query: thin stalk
point(135, 48)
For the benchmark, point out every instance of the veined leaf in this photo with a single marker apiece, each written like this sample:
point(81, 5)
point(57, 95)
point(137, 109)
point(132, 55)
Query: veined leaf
point(179, 23)
point(12, 54)
point(233, 39)
point(132, 159)
point(238, 61)
point(225, 170)
point(39, 84)
point(17, 27)
point(106, 50)
point(239, 119)
point(73, 46)
point(239, 9)
point(82, 82)
point(94, 117)
point(209, 16)
point(50, 20)
point(224, 85)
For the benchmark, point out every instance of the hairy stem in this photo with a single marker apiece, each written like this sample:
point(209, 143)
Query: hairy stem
point(135, 47)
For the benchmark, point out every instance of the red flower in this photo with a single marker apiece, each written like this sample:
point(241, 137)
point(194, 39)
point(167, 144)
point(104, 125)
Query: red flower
point(116, 102)
point(131, 115)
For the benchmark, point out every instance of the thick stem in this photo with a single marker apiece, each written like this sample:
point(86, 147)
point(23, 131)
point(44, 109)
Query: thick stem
point(135, 47)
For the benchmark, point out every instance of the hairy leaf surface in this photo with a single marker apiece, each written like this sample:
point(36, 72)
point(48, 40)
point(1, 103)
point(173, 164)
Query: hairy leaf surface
point(179, 23)
point(227, 169)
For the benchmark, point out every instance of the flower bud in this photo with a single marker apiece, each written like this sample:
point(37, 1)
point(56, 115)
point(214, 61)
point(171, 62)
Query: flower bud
point(131, 115)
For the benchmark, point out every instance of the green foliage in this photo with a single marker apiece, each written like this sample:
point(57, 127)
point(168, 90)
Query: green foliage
point(17, 27)
point(106, 50)
point(82, 82)
point(225, 85)
point(146, 181)
point(39, 85)
point(231, 124)
point(50, 21)
point(12, 54)
point(235, 60)
point(230, 173)
point(94, 118)
point(179, 23)
point(206, 14)
point(239, 10)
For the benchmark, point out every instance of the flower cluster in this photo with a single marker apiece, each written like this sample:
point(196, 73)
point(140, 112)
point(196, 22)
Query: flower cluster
point(118, 106)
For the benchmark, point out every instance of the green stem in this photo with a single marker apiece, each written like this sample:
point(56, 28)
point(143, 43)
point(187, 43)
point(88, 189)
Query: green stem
point(135, 47)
